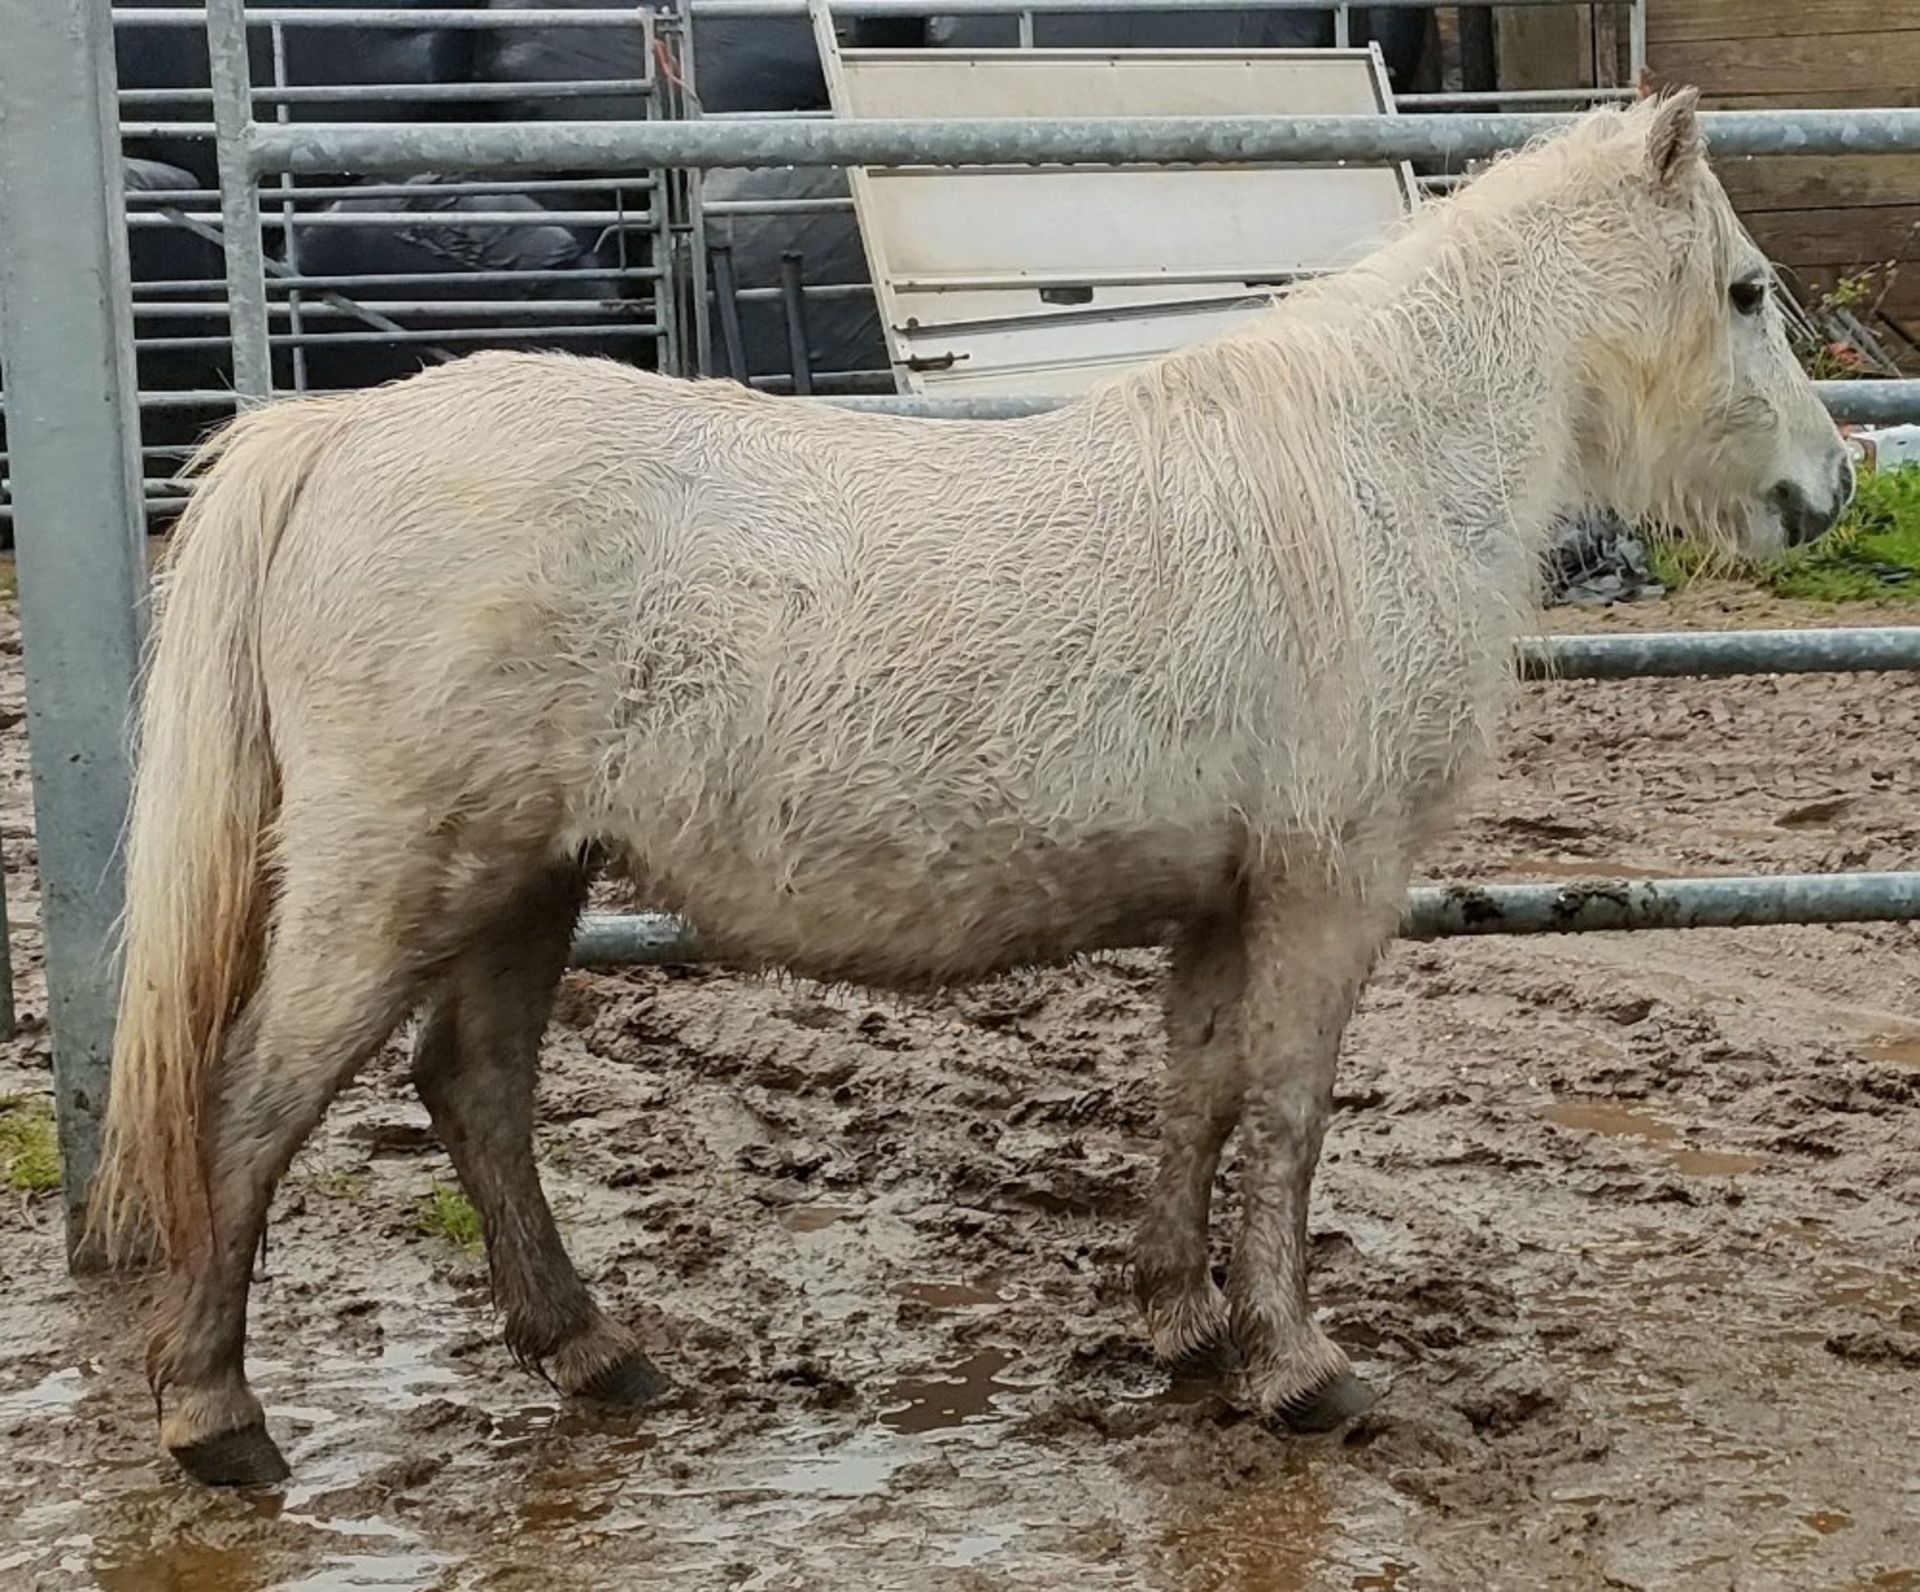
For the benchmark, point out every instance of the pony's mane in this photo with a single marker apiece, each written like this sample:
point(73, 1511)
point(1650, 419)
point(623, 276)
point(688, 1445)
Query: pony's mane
point(1231, 417)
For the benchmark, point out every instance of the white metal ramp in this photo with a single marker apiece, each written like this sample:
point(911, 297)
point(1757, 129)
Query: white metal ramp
point(1044, 280)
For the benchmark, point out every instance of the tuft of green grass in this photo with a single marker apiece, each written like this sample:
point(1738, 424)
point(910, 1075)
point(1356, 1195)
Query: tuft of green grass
point(1873, 552)
point(338, 1183)
point(1872, 555)
point(447, 1213)
point(29, 1153)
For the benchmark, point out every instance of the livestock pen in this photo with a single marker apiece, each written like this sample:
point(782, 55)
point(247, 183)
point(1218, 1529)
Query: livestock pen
point(72, 403)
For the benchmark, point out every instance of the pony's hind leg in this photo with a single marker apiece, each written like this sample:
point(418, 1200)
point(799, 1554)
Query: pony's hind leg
point(474, 1062)
point(331, 991)
point(1309, 953)
point(1185, 1310)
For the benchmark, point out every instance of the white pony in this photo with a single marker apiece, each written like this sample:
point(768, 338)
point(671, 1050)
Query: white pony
point(1206, 654)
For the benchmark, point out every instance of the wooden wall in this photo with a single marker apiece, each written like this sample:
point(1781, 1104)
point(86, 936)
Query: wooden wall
point(1825, 217)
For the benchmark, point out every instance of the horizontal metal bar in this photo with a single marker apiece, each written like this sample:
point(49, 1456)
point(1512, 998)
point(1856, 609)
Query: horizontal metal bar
point(1440, 911)
point(1593, 905)
point(381, 339)
point(774, 207)
point(296, 282)
point(1000, 8)
point(1466, 98)
point(635, 220)
point(505, 309)
point(387, 17)
point(392, 17)
point(1845, 400)
point(1712, 654)
point(813, 290)
point(165, 129)
point(340, 147)
point(424, 93)
point(1001, 281)
point(329, 192)
point(1871, 402)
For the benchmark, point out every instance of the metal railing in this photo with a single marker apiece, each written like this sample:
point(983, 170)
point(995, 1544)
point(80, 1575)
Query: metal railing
point(76, 457)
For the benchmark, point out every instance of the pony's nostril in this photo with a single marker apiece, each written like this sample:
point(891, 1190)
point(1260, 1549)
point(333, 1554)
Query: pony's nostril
point(1800, 518)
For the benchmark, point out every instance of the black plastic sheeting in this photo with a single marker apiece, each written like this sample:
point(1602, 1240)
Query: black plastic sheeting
point(1600, 559)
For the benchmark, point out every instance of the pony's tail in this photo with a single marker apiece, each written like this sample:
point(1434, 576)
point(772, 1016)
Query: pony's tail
point(205, 798)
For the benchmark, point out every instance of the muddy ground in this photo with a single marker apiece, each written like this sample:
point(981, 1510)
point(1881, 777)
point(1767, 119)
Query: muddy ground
point(1626, 1227)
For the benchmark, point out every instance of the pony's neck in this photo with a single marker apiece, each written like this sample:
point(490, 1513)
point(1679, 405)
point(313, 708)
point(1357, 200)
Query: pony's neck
point(1484, 318)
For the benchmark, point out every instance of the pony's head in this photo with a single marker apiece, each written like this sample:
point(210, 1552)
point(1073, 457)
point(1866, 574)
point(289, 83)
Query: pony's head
point(1694, 412)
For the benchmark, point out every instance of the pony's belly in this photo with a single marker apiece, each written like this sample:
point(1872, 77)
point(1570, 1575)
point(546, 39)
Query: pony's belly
point(951, 922)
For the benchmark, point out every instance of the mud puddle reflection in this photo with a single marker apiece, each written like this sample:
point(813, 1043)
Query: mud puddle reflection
point(1617, 1121)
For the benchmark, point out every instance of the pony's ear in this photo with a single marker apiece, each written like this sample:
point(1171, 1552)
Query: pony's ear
point(1674, 144)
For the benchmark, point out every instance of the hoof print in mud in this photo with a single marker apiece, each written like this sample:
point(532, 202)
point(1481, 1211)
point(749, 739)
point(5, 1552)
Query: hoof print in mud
point(243, 1458)
point(1343, 1399)
point(628, 1384)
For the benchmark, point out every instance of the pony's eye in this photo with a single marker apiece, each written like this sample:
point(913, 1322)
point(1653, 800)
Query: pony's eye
point(1748, 297)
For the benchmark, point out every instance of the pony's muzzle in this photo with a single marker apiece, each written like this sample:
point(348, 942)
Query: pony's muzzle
point(1802, 517)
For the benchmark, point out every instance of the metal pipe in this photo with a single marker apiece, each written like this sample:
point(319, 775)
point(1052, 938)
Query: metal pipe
point(1441, 911)
point(421, 93)
point(239, 200)
point(793, 302)
point(776, 207)
point(388, 17)
point(1594, 905)
point(378, 17)
point(505, 309)
point(644, 330)
point(66, 337)
point(1845, 400)
point(401, 219)
point(726, 293)
point(294, 280)
point(326, 193)
point(1713, 654)
point(1467, 98)
point(1000, 8)
point(338, 147)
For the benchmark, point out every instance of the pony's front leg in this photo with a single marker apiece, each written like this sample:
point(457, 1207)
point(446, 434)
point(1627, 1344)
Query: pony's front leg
point(1309, 950)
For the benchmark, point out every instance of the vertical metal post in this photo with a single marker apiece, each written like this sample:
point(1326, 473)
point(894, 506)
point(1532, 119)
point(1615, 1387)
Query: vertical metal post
point(232, 79)
point(289, 220)
point(793, 299)
point(726, 294)
point(1026, 30)
point(1636, 40)
point(1342, 27)
point(73, 431)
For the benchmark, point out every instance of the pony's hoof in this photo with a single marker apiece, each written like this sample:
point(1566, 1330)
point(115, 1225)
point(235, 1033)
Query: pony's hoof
point(627, 1384)
point(1330, 1405)
point(244, 1457)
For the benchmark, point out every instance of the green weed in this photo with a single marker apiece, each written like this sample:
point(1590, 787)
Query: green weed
point(29, 1153)
point(447, 1213)
point(1872, 555)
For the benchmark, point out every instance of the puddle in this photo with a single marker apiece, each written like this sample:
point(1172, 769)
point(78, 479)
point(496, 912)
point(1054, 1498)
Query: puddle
point(932, 1403)
point(55, 1391)
point(1617, 1121)
point(407, 1570)
point(814, 1218)
point(950, 1295)
point(1901, 1052)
